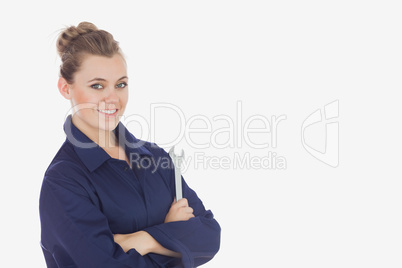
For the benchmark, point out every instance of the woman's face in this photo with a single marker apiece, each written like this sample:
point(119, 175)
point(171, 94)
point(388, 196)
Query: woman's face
point(99, 93)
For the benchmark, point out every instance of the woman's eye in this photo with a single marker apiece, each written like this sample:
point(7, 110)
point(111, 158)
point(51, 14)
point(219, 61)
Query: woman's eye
point(121, 85)
point(96, 86)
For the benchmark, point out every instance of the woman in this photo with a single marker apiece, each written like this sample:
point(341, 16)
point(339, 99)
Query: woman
point(107, 198)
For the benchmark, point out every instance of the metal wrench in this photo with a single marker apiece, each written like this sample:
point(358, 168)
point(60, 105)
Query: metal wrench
point(177, 160)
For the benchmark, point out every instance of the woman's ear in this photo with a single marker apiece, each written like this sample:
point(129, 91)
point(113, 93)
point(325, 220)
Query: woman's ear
point(64, 88)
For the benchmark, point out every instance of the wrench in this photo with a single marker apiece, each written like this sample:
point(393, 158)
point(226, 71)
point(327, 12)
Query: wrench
point(177, 160)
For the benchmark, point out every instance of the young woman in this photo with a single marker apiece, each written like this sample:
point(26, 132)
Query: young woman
point(107, 198)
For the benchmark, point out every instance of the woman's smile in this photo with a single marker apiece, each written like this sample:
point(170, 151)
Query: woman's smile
point(108, 113)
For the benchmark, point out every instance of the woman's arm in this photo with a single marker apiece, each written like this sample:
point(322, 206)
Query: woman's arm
point(196, 239)
point(143, 243)
point(75, 233)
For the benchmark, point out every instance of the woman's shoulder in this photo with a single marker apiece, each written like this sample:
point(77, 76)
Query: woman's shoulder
point(67, 172)
point(155, 149)
point(161, 161)
point(65, 164)
point(143, 146)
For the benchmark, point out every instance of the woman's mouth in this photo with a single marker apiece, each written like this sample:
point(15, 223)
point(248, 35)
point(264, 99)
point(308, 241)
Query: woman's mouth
point(108, 112)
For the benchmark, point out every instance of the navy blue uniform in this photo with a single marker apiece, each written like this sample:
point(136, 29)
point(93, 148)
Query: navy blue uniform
point(87, 196)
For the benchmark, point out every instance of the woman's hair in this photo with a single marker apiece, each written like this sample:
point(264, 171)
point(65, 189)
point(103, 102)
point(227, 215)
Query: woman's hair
point(74, 43)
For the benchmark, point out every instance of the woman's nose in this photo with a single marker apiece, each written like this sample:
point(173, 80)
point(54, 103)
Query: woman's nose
point(111, 96)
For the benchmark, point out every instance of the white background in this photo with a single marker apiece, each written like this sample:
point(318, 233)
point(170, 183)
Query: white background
point(276, 57)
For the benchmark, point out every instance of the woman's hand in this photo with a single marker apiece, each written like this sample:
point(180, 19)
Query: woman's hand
point(179, 211)
point(143, 243)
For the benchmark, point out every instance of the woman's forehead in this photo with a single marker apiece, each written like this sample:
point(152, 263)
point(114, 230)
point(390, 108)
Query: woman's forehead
point(107, 68)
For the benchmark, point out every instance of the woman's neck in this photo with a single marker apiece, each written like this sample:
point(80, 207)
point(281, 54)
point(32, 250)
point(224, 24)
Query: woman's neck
point(104, 138)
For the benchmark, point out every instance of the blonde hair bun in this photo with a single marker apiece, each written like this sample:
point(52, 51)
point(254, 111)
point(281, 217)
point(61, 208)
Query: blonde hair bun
point(75, 42)
point(72, 33)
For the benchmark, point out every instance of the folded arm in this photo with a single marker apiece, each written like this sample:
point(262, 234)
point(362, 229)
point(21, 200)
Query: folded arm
point(76, 234)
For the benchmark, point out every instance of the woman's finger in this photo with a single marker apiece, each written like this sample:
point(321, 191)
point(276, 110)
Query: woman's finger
point(182, 202)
